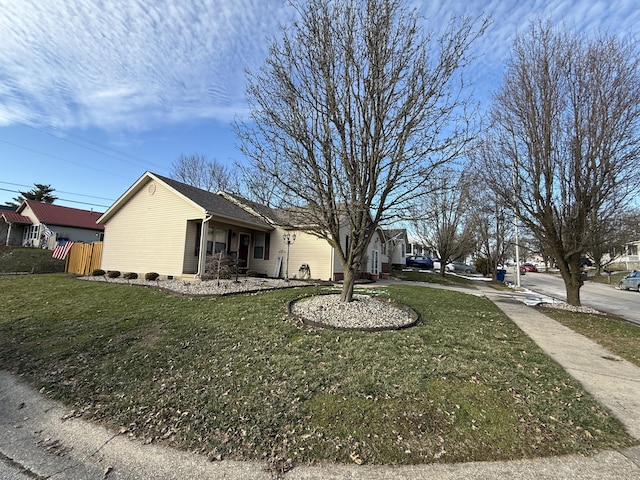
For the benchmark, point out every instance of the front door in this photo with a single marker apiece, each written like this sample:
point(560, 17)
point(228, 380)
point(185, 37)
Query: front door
point(374, 262)
point(243, 251)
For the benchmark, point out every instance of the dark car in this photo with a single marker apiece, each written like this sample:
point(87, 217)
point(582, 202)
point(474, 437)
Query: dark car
point(585, 262)
point(528, 267)
point(420, 261)
point(631, 281)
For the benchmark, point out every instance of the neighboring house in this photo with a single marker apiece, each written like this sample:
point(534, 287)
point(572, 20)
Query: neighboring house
point(43, 225)
point(171, 228)
point(395, 247)
point(415, 247)
point(627, 259)
point(12, 226)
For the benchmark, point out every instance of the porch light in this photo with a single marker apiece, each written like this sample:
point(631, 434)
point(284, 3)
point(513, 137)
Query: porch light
point(288, 239)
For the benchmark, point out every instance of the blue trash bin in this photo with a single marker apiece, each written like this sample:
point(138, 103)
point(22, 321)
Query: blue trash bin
point(500, 275)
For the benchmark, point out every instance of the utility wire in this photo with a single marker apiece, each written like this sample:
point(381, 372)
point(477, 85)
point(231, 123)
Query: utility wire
point(64, 199)
point(56, 190)
point(30, 121)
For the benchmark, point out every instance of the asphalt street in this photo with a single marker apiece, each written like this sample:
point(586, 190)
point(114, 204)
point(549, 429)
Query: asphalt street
point(600, 296)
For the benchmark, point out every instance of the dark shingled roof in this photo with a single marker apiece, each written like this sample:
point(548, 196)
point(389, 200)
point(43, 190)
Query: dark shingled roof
point(214, 203)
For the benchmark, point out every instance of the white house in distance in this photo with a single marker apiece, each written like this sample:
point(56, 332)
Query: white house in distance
point(164, 226)
point(395, 248)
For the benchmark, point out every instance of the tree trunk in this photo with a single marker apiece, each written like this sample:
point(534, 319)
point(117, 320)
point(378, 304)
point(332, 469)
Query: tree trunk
point(573, 290)
point(347, 285)
point(572, 277)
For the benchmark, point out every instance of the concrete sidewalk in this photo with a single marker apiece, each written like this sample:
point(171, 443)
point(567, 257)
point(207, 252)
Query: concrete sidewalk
point(39, 439)
point(613, 381)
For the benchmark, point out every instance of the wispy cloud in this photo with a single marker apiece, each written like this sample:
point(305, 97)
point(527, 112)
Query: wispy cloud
point(137, 63)
point(128, 63)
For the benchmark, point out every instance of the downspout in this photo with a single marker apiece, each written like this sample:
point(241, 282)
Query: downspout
point(332, 272)
point(202, 256)
point(8, 234)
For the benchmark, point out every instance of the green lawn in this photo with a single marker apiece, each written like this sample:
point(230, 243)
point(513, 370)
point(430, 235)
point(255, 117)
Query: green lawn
point(615, 334)
point(235, 377)
point(28, 260)
point(432, 276)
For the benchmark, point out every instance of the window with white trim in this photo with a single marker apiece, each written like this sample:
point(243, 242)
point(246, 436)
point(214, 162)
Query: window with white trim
point(258, 245)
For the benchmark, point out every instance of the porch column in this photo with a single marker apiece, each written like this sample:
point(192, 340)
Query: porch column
point(202, 256)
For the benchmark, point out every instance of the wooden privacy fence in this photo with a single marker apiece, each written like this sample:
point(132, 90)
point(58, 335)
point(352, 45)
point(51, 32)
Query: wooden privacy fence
point(84, 258)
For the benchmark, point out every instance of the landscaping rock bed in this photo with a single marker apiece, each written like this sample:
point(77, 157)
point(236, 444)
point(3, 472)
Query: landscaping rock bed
point(207, 287)
point(365, 312)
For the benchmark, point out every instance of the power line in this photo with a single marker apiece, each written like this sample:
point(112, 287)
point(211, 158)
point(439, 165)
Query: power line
point(59, 191)
point(60, 158)
point(64, 199)
point(29, 121)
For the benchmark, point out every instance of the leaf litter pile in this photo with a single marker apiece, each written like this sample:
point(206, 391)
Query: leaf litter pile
point(237, 378)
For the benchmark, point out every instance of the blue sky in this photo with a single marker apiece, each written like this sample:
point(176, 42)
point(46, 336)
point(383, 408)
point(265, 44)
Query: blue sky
point(95, 92)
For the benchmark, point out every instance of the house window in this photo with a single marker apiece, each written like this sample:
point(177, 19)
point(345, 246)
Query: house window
point(30, 235)
point(259, 242)
point(219, 241)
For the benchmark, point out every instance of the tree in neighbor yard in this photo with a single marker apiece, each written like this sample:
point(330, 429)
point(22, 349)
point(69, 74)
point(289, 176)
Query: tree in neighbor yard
point(563, 150)
point(492, 224)
point(200, 172)
point(440, 217)
point(40, 193)
point(351, 111)
point(608, 241)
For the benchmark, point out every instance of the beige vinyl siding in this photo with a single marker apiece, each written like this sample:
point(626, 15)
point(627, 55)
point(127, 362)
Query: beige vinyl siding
point(149, 233)
point(190, 258)
point(308, 249)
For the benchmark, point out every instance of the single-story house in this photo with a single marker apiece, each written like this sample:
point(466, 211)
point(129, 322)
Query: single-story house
point(44, 225)
point(12, 226)
point(164, 226)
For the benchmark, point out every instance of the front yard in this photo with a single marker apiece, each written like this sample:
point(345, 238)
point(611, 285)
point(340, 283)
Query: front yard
point(234, 377)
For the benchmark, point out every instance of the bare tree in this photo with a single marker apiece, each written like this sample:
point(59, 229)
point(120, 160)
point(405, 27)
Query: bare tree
point(564, 144)
point(256, 185)
point(351, 111)
point(607, 240)
point(440, 216)
point(198, 171)
point(492, 224)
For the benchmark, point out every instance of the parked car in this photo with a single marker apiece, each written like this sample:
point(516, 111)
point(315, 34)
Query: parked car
point(631, 281)
point(420, 261)
point(528, 267)
point(460, 267)
point(436, 264)
point(585, 262)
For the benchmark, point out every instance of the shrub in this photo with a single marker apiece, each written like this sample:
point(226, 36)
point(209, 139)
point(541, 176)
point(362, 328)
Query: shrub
point(151, 276)
point(130, 275)
point(252, 273)
point(98, 272)
point(482, 265)
point(113, 274)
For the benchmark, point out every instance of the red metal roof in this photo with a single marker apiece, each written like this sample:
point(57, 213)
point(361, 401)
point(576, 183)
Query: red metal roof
point(51, 214)
point(14, 217)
